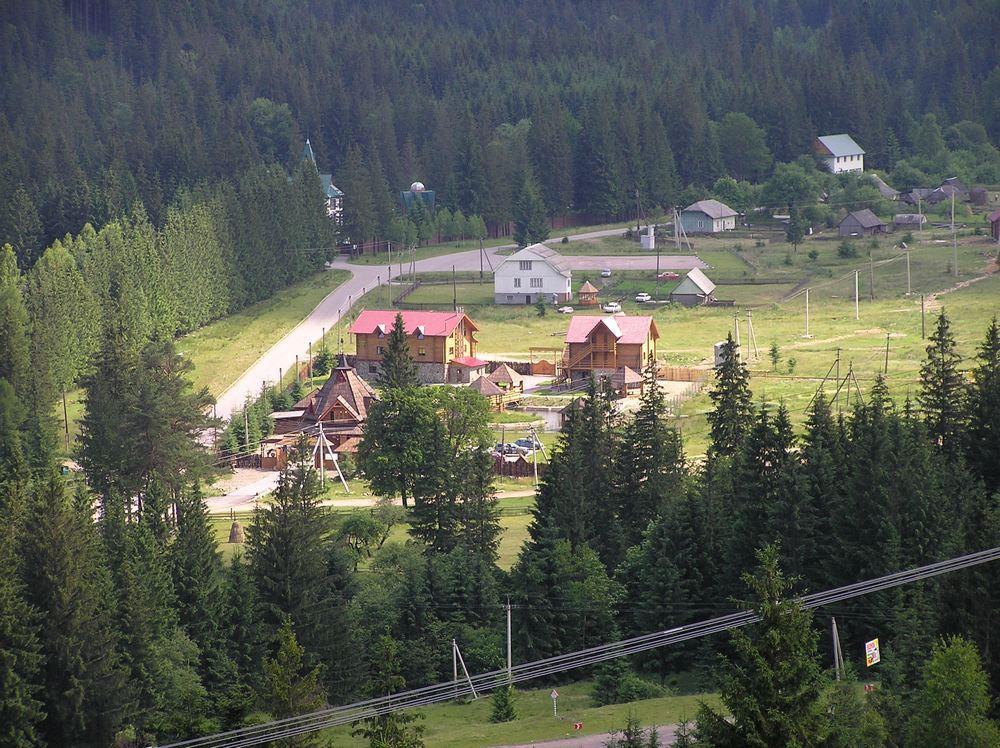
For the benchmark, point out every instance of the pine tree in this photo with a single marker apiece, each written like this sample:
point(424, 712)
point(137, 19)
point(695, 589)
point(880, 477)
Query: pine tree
point(21, 712)
point(359, 207)
point(24, 227)
point(951, 708)
point(531, 224)
point(732, 417)
point(394, 728)
point(649, 469)
point(288, 689)
point(772, 682)
point(942, 390)
point(14, 363)
point(242, 623)
point(984, 410)
point(503, 709)
point(289, 551)
point(65, 578)
point(823, 472)
point(397, 368)
point(13, 461)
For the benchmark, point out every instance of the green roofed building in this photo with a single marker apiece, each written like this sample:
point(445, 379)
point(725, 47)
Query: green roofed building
point(333, 196)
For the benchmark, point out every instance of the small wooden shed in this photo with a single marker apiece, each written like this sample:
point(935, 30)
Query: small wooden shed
point(587, 295)
point(493, 394)
point(506, 378)
point(861, 223)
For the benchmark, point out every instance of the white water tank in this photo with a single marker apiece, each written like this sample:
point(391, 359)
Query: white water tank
point(648, 239)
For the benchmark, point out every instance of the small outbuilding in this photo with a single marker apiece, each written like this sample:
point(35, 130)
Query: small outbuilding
point(994, 219)
point(908, 221)
point(587, 294)
point(506, 378)
point(493, 394)
point(861, 223)
point(708, 217)
point(694, 290)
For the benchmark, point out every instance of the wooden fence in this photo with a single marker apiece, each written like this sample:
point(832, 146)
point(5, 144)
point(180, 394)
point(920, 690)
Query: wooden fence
point(681, 373)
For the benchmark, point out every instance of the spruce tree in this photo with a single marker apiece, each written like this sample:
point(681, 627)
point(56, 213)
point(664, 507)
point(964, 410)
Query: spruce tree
point(21, 711)
point(771, 684)
point(84, 681)
point(649, 469)
point(289, 551)
point(13, 461)
point(14, 365)
point(397, 368)
point(503, 709)
point(943, 391)
point(531, 224)
point(984, 411)
point(732, 416)
point(395, 728)
point(241, 622)
point(288, 688)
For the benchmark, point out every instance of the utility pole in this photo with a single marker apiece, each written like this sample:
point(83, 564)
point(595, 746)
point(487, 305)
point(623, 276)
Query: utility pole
point(807, 335)
point(885, 369)
point(310, 364)
point(736, 325)
point(923, 319)
point(857, 310)
point(908, 289)
point(246, 425)
point(480, 261)
point(920, 219)
point(954, 236)
point(509, 658)
point(454, 291)
point(838, 657)
point(66, 418)
point(871, 276)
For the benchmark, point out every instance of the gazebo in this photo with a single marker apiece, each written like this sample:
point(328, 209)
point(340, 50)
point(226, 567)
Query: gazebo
point(506, 378)
point(489, 390)
point(587, 295)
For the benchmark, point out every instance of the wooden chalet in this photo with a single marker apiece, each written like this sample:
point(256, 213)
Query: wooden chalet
point(607, 346)
point(442, 344)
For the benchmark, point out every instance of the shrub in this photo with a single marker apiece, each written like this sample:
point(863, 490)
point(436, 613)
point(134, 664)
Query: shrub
point(847, 250)
point(540, 308)
point(503, 705)
point(791, 365)
point(322, 362)
point(615, 683)
point(759, 244)
point(813, 255)
point(908, 237)
point(564, 240)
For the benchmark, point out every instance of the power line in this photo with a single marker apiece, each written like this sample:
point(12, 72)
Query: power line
point(332, 717)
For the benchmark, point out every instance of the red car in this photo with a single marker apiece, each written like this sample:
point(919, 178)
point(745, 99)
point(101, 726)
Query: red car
point(669, 276)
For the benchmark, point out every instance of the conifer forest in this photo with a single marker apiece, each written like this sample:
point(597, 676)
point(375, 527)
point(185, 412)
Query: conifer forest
point(152, 181)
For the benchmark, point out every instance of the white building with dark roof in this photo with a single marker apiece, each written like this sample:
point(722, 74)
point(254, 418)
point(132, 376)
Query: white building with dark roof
point(708, 217)
point(840, 153)
point(533, 273)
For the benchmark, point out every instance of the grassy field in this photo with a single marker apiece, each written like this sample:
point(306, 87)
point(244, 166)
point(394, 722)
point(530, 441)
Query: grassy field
point(467, 725)
point(225, 349)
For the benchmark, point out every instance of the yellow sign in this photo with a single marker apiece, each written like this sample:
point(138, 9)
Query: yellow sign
point(872, 654)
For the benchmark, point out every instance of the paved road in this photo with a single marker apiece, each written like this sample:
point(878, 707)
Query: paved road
point(667, 736)
point(366, 277)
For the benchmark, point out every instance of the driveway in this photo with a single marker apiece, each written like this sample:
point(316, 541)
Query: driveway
point(364, 278)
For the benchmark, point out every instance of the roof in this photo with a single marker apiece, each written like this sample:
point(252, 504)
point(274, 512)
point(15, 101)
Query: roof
point(914, 218)
point(329, 188)
point(702, 281)
point(345, 388)
point(544, 253)
point(884, 189)
point(711, 208)
point(280, 414)
point(994, 216)
point(628, 330)
point(469, 362)
point(865, 218)
point(840, 145)
point(587, 287)
point(432, 324)
point(485, 387)
point(625, 375)
point(954, 182)
point(307, 153)
point(504, 374)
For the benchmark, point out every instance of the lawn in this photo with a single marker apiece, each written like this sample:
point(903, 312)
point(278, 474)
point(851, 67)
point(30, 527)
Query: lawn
point(225, 349)
point(440, 295)
point(461, 725)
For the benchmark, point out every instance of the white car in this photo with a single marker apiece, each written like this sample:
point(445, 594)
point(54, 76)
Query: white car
point(643, 297)
point(565, 310)
point(612, 307)
point(606, 273)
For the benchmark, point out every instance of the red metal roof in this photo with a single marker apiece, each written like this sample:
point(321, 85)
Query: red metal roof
point(435, 324)
point(631, 329)
point(994, 216)
point(470, 362)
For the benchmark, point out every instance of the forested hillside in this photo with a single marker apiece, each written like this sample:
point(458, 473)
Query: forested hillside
point(103, 102)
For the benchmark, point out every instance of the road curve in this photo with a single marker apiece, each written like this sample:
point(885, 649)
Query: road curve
point(364, 278)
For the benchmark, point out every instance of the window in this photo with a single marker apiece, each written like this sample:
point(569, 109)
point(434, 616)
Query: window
point(373, 368)
point(421, 351)
point(524, 264)
point(510, 297)
point(701, 224)
point(517, 283)
point(536, 282)
point(379, 350)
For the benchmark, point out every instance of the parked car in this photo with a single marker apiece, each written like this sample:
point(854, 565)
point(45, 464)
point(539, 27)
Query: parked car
point(669, 275)
point(643, 297)
point(611, 307)
point(508, 449)
point(529, 444)
point(606, 273)
point(565, 310)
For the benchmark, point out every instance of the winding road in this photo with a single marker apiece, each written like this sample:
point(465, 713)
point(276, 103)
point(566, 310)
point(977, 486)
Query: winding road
point(364, 278)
